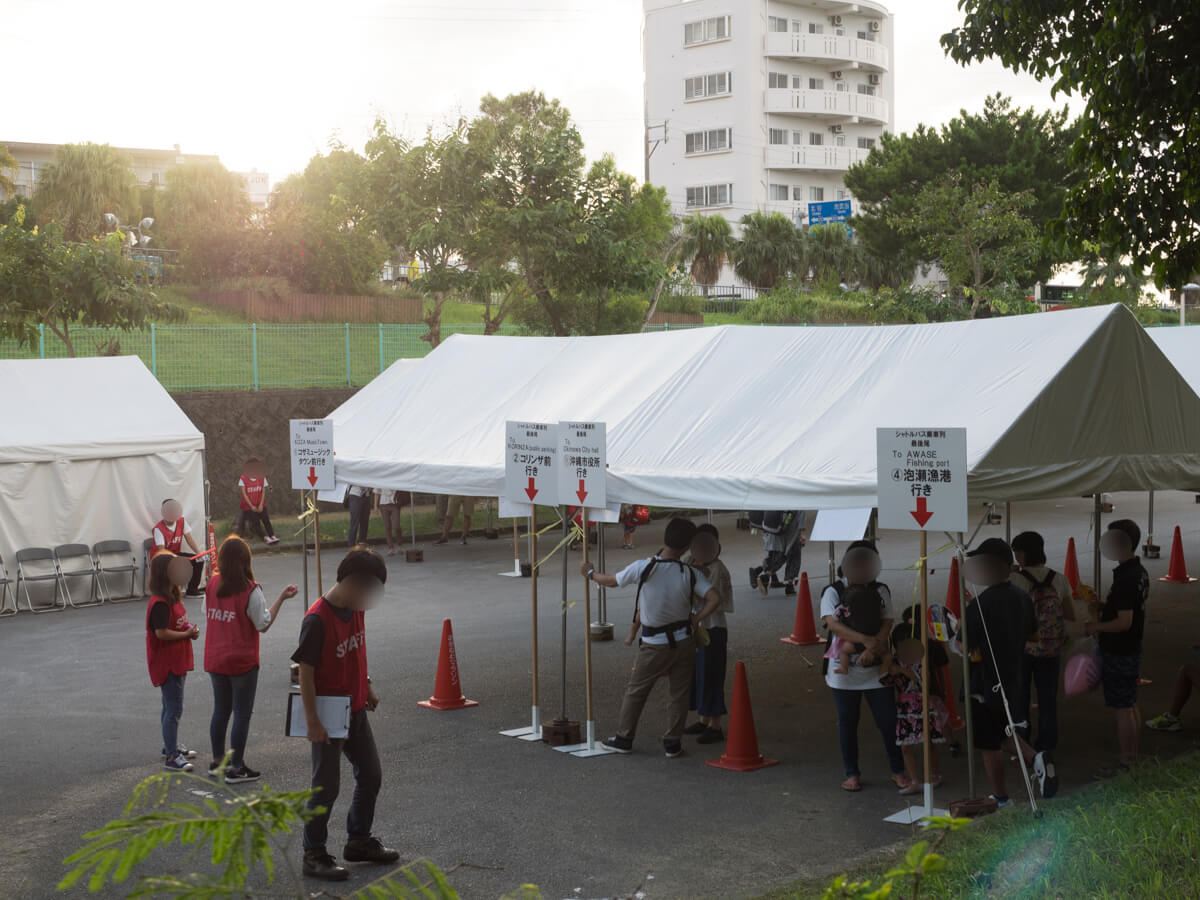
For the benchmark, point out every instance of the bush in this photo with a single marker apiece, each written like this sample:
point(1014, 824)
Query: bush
point(681, 303)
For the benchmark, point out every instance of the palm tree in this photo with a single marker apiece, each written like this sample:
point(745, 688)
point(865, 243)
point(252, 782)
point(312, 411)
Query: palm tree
point(831, 254)
point(81, 184)
point(770, 250)
point(708, 242)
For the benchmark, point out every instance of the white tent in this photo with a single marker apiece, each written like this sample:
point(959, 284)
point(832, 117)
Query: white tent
point(1061, 404)
point(89, 450)
point(1182, 347)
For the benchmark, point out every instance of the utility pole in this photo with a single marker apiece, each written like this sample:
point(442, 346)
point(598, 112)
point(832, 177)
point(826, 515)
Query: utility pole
point(652, 144)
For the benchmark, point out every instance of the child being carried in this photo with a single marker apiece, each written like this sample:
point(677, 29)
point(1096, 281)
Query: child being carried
point(861, 609)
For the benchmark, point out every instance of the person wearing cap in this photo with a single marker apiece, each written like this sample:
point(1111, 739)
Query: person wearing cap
point(1121, 622)
point(333, 662)
point(998, 622)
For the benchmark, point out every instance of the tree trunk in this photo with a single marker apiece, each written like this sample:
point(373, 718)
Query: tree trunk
point(433, 319)
point(661, 281)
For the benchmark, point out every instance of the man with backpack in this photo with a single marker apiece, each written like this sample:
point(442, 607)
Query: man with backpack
point(663, 611)
point(783, 539)
point(1052, 607)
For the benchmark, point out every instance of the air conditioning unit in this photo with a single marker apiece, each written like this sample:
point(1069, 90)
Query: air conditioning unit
point(835, 21)
point(836, 76)
point(874, 79)
point(873, 25)
point(837, 129)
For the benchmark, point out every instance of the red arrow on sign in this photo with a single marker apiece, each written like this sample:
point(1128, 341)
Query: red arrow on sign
point(581, 493)
point(312, 475)
point(921, 513)
point(531, 490)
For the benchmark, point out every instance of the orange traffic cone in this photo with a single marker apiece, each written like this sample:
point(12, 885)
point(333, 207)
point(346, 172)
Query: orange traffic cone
point(954, 723)
point(1177, 571)
point(447, 691)
point(741, 748)
point(953, 592)
point(804, 631)
point(1071, 568)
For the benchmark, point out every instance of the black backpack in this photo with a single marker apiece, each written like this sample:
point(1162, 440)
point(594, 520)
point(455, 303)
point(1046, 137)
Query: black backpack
point(671, 627)
point(842, 591)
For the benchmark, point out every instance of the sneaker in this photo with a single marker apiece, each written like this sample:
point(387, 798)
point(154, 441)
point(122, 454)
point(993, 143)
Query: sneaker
point(213, 769)
point(711, 736)
point(319, 864)
point(789, 589)
point(241, 774)
point(1165, 722)
point(370, 850)
point(271, 540)
point(618, 743)
point(178, 763)
point(696, 728)
point(1001, 802)
point(764, 584)
point(442, 540)
point(672, 749)
point(463, 540)
point(181, 751)
point(755, 571)
point(1043, 771)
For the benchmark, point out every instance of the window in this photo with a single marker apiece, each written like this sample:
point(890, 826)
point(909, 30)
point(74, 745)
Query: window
point(714, 29)
point(777, 80)
point(700, 86)
point(839, 140)
point(777, 23)
point(777, 192)
point(816, 28)
point(842, 86)
point(797, 137)
point(866, 36)
point(843, 194)
point(867, 89)
point(710, 195)
point(816, 194)
point(777, 135)
point(711, 141)
point(816, 84)
point(798, 193)
point(865, 143)
point(796, 81)
point(816, 139)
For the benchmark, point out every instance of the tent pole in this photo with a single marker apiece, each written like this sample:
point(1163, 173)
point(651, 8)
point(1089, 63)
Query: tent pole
point(925, 673)
point(966, 656)
point(1096, 543)
point(412, 518)
point(587, 641)
point(1150, 523)
point(1008, 523)
point(533, 580)
point(832, 562)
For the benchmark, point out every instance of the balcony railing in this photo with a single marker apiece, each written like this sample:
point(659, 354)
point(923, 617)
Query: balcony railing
point(838, 104)
point(828, 48)
point(813, 157)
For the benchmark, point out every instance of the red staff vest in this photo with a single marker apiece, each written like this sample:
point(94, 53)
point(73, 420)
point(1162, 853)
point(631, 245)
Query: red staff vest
point(254, 488)
point(172, 540)
point(343, 667)
point(165, 658)
point(230, 637)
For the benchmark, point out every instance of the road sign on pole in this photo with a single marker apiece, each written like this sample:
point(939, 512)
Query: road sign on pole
point(312, 454)
point(582, 453)
point(531, 463)
point(922, 478)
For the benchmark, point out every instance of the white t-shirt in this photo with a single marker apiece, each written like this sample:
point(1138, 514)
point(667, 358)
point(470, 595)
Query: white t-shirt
point(256, 609)
point(666, 595)
point(359, 491)
point(859, 678)
point(159, 539)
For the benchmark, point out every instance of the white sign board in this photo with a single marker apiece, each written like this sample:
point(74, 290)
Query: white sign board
point(312, 454)
point(531, 462)
point(840, 525)
point(582, 456)
point(922, 478)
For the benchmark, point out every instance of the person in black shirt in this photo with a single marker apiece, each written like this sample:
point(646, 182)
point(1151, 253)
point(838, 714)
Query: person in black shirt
point(1121, 622)
point(998, 623)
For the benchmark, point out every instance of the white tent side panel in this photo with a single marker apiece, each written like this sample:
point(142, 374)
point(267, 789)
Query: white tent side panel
point(90, 450)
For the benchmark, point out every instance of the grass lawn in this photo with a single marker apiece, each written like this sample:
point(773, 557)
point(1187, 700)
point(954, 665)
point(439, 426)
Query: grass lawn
point(1135, 837)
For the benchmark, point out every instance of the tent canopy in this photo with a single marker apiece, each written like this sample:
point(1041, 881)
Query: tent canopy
point(1182, 348)
point(785, 417)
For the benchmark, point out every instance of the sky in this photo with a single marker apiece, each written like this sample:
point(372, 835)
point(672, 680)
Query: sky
point(267, 84)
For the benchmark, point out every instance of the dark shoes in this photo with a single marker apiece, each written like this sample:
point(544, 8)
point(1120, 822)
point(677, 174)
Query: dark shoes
point(319, 864)
point(239, 774)
point(369, 850)
point(755, 571)
point(711, 736)
point(618, 743)
point(695, 728)
point(672, 748)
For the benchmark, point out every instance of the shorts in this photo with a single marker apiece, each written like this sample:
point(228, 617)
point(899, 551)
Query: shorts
point(988, 726)
point(1119, 677)
point(465, 504)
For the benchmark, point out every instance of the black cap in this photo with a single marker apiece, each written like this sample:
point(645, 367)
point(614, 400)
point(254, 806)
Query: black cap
point(995, 548)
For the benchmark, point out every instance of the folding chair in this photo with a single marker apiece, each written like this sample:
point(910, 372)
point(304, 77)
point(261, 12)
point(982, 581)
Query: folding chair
point(32, 564)
point(5, 581)
point(115, 558)
point(147, 553)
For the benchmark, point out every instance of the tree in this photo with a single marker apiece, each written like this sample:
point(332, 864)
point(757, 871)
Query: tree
point(1138, 189)
point(204, 213)
point(8, 163)
point(46, 280)
point(830, 253)
point(1020, 149)
point(708, 243)
point(769, 251)
point(979, 235)
point(81, 184)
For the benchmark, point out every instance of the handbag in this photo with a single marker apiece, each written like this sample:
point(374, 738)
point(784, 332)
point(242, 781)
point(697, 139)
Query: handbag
point(973, 808)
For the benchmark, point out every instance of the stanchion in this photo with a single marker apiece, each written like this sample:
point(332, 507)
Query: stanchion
point(601, 630)
point(516, 569)
point(534, 731)
point(561, 730)
point(589, 747)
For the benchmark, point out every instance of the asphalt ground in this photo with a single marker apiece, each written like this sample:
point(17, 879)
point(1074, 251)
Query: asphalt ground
point(79, 727)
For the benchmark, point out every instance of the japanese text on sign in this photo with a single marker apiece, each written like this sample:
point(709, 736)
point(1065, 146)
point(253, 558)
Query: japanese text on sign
point(531, 462)
point(921, 478)
point(581, 475)
point(312, 454)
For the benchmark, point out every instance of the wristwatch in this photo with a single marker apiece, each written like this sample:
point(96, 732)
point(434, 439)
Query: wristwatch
point(591, 572)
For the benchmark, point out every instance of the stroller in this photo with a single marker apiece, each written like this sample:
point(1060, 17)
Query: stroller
point(781, 530)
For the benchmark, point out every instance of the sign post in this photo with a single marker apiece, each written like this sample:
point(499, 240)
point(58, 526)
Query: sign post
point(922, 483)
point(312, 471)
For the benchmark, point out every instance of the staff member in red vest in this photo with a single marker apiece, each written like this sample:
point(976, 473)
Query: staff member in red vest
point(169, 637)
point(333, 662)
point(171, 533)
point(235, 612)
point(252, 497)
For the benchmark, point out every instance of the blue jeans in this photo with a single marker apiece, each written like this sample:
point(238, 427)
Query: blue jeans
point(360, 519)
point(360, 749)
point(232, 695)
point(172, 712)
point(1040, 672)
point(882, 703)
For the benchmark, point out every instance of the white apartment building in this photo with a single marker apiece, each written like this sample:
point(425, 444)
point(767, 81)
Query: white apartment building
point(764, 104)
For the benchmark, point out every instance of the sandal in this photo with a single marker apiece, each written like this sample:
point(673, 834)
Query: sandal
point(914, 787)
point(852, 784)
point(901, 780)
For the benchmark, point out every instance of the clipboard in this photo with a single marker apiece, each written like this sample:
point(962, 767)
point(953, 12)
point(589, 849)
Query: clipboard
point(333, 711)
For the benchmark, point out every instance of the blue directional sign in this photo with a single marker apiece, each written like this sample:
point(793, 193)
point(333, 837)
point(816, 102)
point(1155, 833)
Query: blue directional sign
point(829, 211)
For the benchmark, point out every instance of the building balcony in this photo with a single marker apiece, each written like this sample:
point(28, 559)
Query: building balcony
point(823, 158)
point(845, 52)
point(832, 104)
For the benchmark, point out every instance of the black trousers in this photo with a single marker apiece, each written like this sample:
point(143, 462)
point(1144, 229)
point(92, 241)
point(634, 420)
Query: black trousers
point(359, 749)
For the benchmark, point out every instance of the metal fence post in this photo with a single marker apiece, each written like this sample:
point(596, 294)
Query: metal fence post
point(42, 339)
point(349, 381)
point(380, 348)
point(153, 352)
point(254, 351)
